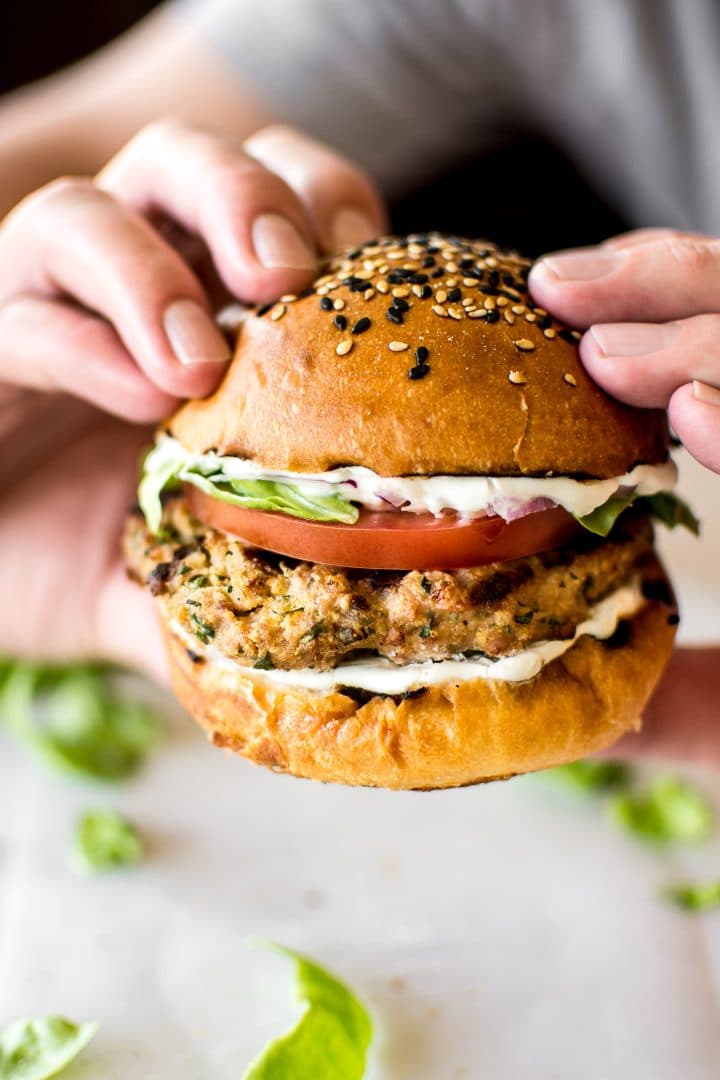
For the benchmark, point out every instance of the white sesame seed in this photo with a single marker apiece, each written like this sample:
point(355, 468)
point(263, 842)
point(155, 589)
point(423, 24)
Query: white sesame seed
point(441, 296)
point(550, 333)
point(451, 282)
point(394, 254)
point(540, 311)
point(570, 379)
point(489, 303)
point(524, 344)
point(338, 305)
point(401, 290)
point(510, 319)
point(363, 275)
point(530, 317)
point(288, 298)
point(502, 301)
point(344, 347)
point(576, 334)
point(519, 309)
point(479, 313)
point(369, 264)
point(277, 312)
point(455, 312)
point(491, 262)
point(382, 287)
point(322, 290)
point(468, 302)
point(440, 311)
point(418, 291)
point(469, 282)
point(368, 294)
point(397, 346)
point(451, 267)
point(517, 377)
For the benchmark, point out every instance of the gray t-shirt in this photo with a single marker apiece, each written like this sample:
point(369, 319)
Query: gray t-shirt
point(629, 88)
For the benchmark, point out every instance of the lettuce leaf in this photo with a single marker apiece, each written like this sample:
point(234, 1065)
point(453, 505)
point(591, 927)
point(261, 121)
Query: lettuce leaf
point(664, 506)
point(40, 1048)
point(670, 810)
point(103, 841)
point(331, 1039)
point(590, 776)
point(165, 468)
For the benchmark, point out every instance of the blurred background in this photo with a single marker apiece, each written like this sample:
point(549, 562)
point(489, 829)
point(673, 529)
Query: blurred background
point(559, 209)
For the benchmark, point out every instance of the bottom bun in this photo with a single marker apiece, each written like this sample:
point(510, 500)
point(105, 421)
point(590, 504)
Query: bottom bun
point(448, 736)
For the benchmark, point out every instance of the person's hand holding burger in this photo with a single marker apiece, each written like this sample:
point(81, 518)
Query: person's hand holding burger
point(108, 289)
point(651, 300)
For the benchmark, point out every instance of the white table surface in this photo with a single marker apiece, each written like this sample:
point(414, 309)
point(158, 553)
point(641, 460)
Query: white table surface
point(501, 932)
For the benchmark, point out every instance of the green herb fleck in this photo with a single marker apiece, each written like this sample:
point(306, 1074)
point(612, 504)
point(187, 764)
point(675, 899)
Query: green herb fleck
point(199, 581)
point(315, 631)
point(103, 841)
point(39, 1048)
point(426, 630)
point(201, 629)
point(592, 776)
point(524, 617)
point(265, 663)
point(426, 584)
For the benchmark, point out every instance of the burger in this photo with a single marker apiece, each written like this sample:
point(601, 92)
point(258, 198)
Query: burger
point(408, 542)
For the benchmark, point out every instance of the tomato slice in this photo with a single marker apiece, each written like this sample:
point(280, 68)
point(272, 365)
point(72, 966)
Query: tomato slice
point(392, 539)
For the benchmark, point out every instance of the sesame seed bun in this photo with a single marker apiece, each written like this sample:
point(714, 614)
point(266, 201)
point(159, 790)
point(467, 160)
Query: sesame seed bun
point(450, 735)
point(424, 355)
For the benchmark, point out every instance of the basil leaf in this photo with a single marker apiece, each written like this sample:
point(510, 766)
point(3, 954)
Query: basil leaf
point(40, 1048)
point(103, 841)
point(602, 519)
point(592, 776)
point(670, 810)
point(331, 1039)
point(700, 897)
point(72, 719)
point(671, 510)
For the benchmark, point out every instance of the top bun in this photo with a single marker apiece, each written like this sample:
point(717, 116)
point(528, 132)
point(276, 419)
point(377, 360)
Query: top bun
point(419, 355)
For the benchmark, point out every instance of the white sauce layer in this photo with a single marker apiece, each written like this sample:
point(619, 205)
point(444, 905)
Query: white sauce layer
point(381, 676)
point(466, 495)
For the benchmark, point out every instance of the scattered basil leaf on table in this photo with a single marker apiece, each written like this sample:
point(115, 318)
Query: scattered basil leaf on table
point(670, 810)
point(592, 776)
point(104, 841)
point(701, 896)
point(74, 719)
point(40, 1048)
point(330, 1040)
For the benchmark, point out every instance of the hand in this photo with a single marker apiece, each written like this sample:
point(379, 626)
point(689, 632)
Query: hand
point(651, 299)
point(97, 304)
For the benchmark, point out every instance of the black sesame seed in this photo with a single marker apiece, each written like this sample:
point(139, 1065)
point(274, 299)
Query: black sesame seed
point(395, 316)
point(439, 271)
point(483, 253)
point(400, 304)
point(493, 277)
point(264, 309)
point(340, 321)
point(466, 263)
point(355, 254)
point(426, 292)
point(421, 354)
point(350, 280)
point(418, 372)
point(545, 322)
point(508, 279)
point(454, 295)
point(432, 249)
point(475, 273)
point(361, 326)
point(359, 285)
point(673, 619)
point(515, 297)
point(567, 335)
point(492, 316)
point(418, 279)
point(395, 278)
point(427, 262)
point(326, 303)
point(307, 292)
point(489, 290)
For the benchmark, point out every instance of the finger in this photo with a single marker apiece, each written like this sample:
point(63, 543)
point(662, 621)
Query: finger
point(635, 237)
point(668, 278)
point(342, 203)
point(254, 224)
point(50, 345)
point(681, 721)
point(694, 413)
point(74, 240)
point(645, 363)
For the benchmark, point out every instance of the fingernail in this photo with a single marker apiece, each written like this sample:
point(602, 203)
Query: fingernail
point(710, 395)
point(192, 334)
point(278, 244)
point(351, 227)
point(633, 339)
point(581, 265)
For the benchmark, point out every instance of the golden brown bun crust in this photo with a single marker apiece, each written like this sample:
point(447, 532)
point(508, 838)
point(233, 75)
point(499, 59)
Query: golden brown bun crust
point(289, 401)
point(449, 736)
